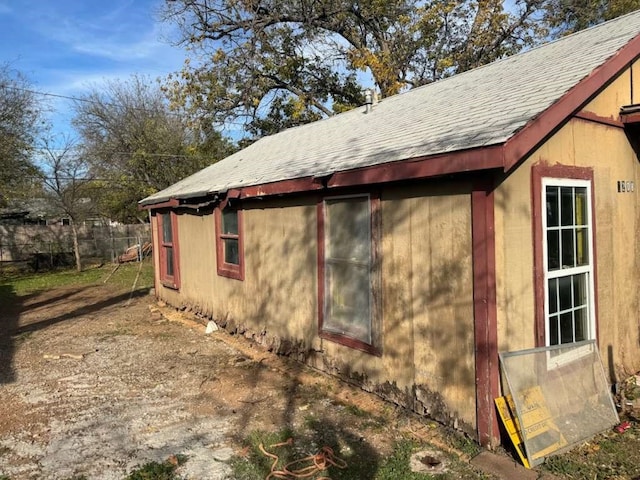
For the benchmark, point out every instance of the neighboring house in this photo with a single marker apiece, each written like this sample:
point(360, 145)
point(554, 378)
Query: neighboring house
point(403, 248)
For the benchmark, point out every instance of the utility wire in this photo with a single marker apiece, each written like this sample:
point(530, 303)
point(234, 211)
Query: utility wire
point(94, 102)
point(43, 151)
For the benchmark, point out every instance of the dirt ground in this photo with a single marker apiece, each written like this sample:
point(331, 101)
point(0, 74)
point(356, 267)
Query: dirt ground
point(95, 383)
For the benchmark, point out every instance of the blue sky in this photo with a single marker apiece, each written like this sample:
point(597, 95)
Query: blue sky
point(69, 47)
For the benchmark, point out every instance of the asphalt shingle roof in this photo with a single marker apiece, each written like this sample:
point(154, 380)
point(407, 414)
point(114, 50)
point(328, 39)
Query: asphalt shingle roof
point(482, 107)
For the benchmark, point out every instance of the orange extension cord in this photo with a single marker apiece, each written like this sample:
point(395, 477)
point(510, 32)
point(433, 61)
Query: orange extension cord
point(322, 460)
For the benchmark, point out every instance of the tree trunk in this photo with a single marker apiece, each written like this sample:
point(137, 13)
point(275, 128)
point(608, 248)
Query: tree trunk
point(76, 246)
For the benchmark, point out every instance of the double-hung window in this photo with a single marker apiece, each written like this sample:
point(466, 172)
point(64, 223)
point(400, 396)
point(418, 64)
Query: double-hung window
point(568, 261)
point(229, 243)
point(167, 237)
point(347, 273)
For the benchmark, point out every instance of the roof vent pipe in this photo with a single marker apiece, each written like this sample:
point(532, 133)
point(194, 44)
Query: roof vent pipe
point(368, 100)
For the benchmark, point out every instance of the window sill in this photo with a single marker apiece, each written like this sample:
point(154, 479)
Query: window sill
point(351, 343)
point(169, 284)
point(231, 271)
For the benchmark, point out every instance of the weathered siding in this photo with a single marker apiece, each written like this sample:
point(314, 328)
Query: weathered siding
point(427, 360)
point(605, 149)
point(428, 277)
point(278, 295)
point(427, 357)
point(514, 262)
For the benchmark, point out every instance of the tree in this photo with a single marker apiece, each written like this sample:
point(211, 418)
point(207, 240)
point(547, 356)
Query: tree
point(136, 146)
point(271, 64)
point(568, 16)
point(67, 185)
point(20, 122)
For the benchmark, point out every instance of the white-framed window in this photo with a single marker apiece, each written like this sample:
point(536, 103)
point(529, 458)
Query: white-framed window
point(567, 234)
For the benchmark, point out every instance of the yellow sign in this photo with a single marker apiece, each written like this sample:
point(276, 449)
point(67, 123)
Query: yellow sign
point(509, 423)
point(541, 434)
point(534, 426)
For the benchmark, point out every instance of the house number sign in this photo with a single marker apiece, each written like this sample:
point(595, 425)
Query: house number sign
point(626, 186)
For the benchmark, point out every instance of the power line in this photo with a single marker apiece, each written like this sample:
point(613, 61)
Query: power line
point(95, 102)
point(43, 151)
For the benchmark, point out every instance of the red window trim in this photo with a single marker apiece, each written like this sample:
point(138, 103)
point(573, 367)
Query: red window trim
point(538, 172)
point(375, 347)
point(225, 269)
point(169, 281)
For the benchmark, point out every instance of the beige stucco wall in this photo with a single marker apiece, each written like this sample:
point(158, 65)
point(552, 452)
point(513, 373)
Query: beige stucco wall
point(427, 359)
point(617, 215)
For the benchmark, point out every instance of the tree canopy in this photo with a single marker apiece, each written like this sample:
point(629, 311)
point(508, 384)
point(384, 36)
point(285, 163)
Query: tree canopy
point(265, 65)
point(568, 16)
point(20, 123)
point(270, 64)
point(136, 146)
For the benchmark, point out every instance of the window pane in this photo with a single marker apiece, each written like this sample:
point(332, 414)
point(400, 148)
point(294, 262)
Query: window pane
point(580, 319)
point(552, 207)
point(579, 290)
point(553, 250)
point(348, 229)
point(581, 206)
point(169, 259)
point(566, 327)
point(348, 268)
point(348, 301)
point(553, 295)
point(564, 292)
point(230, 221)
point(568, 255)
point(582, 246)
point(167, 234)
point(231, 251)
point(566, 206)
point(553, 330)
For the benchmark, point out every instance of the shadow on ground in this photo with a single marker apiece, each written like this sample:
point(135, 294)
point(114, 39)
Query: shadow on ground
point(9, 315)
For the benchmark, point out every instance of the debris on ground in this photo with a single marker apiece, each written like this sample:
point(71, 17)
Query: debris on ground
point(133, 254)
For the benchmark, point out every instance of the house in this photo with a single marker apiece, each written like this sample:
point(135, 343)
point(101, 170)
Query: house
point(404, 245)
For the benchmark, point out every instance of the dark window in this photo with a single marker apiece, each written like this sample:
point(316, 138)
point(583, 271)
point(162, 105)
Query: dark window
point(169, 275)
point(229, 243)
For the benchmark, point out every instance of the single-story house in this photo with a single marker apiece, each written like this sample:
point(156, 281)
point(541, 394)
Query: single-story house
point(404, 244)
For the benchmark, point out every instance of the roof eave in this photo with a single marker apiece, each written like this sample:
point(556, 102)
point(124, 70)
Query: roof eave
point(475, 159)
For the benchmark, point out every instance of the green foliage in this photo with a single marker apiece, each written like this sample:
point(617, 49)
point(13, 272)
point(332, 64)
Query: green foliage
point(20, 124)
point(269, 65)
point(568, 16)
point(607, 456)
point(136, 146)
point(17, 284)
point(275, 64)
point(154, 471)
point(359, 461)
point(397, 465)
